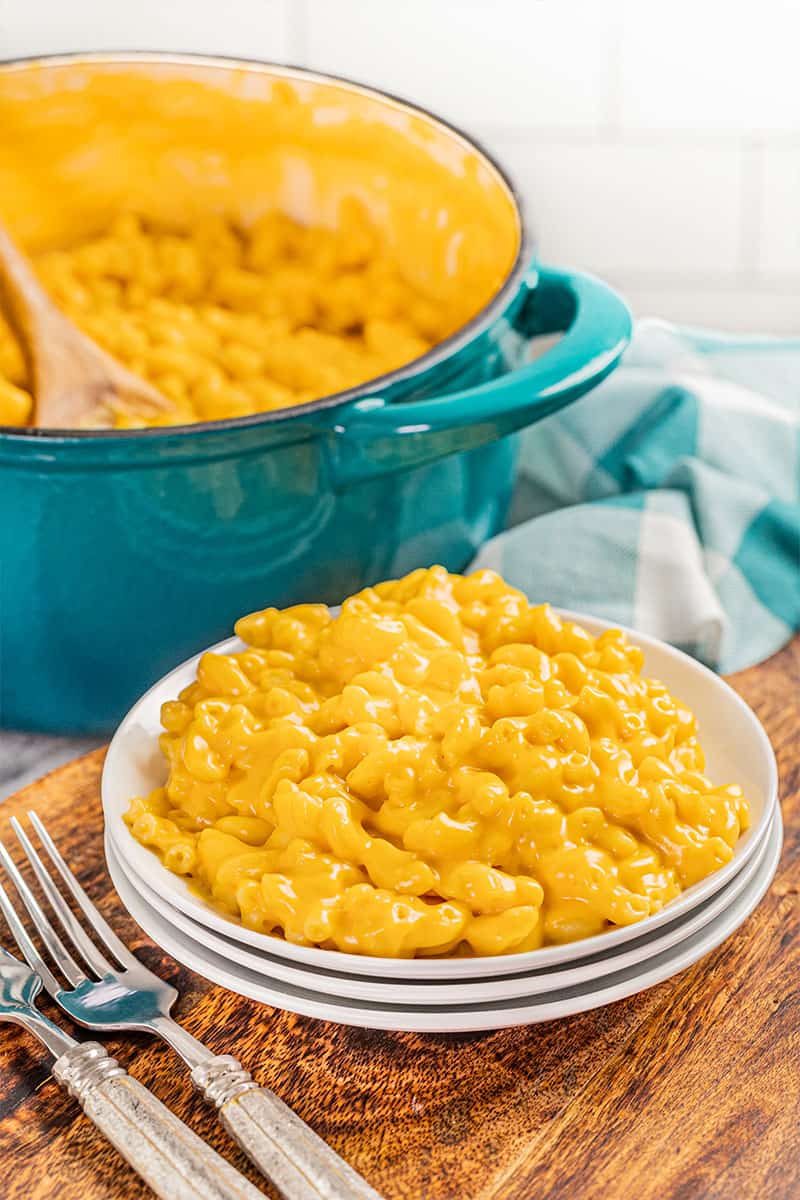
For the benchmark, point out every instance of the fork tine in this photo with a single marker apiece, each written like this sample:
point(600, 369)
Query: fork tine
point(26, 946)
point(55, 947)
point(69, 922)
point(101, 927)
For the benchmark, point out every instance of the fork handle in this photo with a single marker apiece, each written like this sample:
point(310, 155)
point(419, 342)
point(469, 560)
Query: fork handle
point(298, 1162)
point(175, 1162)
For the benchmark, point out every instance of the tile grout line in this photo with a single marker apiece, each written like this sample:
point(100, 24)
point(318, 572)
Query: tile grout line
point(752, 208)
point(617, 134)
point(613, 99)
point(297, 31)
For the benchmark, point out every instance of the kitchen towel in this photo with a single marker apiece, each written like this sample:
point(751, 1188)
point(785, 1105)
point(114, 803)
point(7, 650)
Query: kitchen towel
point(668, 499)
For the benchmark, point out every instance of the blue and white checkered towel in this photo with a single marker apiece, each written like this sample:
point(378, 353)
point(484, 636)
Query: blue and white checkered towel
point(668, 499)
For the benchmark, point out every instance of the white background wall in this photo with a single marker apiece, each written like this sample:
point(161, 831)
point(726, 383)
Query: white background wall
point(656, 143)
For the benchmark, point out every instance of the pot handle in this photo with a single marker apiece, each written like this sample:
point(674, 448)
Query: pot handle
point(375, 437)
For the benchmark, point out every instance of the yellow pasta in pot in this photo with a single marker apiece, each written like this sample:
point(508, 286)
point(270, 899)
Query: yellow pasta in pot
point(441, 768)
point(228, 322)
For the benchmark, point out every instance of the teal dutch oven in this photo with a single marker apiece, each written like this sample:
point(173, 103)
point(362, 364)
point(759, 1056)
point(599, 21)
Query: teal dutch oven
point(123, 552)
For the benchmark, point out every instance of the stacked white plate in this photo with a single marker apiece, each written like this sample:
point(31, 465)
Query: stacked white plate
point(455, 994)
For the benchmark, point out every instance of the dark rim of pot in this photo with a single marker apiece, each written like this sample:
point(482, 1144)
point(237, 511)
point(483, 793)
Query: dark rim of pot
point(438, 353)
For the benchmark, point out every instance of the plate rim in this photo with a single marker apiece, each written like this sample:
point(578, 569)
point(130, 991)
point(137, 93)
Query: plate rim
point(371, 1016)
point(566, 975)
point(147, 863)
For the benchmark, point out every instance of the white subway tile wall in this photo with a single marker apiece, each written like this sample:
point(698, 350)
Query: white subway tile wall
point(631, 208)
point(259, 28)
point(658, 144)
point(485, 65)
point(705, 67)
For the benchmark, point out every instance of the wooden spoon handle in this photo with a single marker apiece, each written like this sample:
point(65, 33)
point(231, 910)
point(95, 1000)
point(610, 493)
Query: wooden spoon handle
point(61, 361)
point(75, 383)
point(26, 304)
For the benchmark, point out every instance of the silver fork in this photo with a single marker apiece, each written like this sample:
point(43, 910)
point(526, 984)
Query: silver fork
point(169, 1157)
point(127, 996)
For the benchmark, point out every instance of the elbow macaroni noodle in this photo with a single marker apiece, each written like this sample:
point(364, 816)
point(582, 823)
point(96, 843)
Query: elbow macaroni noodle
point(441, 769)
point(227, 323)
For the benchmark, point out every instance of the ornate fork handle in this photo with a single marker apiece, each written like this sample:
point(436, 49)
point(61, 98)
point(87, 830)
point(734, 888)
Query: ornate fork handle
point(169, 1157)
point(300, 1164)
point(131, 997)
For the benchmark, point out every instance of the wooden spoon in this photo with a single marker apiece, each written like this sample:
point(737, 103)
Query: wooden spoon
point(75, 383)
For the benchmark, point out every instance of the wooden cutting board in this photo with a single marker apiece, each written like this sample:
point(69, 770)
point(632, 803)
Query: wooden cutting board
point(689, 1091)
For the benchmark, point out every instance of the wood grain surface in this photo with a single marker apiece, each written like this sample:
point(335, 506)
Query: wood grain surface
point(687, 1091)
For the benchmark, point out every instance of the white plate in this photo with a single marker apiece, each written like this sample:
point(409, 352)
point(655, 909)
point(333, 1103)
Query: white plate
point(737, 750)
point(470, 991)
point(459, 1018)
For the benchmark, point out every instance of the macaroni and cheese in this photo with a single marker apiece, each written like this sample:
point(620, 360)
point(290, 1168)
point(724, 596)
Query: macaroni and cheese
point(227, 322)
point(441, 768)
